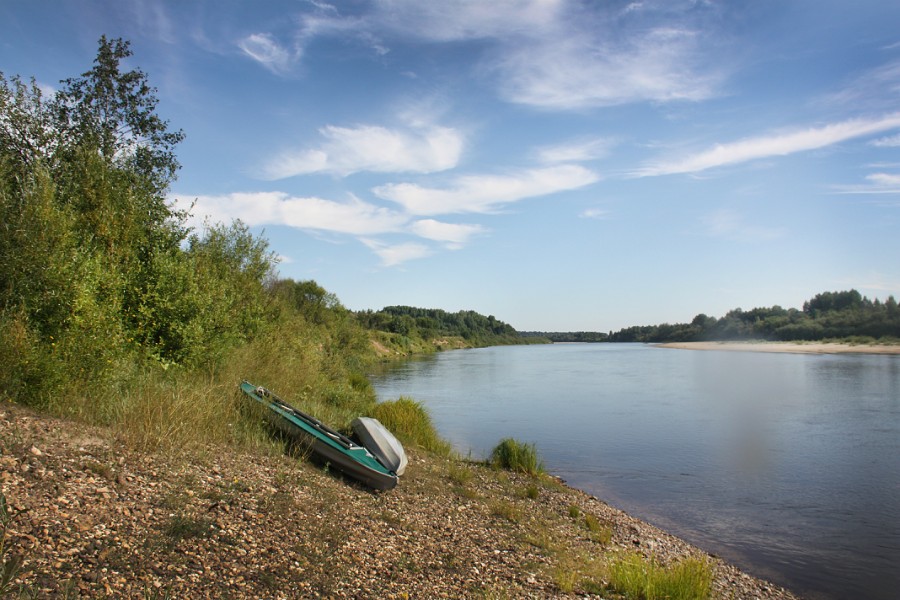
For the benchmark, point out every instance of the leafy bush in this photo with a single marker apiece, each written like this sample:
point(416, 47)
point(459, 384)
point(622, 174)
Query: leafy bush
point(516, 456)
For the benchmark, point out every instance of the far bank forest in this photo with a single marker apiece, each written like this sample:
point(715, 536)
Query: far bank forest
point(845, 316)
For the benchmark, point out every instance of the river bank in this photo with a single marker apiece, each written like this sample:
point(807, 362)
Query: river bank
point(787, 347)
point(96, 518)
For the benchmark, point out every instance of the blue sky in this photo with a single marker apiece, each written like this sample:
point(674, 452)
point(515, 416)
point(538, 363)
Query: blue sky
point(560, 165)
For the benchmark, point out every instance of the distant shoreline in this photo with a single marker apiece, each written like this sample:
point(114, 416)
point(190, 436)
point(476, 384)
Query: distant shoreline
point(787, 347)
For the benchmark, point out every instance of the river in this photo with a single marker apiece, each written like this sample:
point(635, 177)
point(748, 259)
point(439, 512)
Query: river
point(787, 465)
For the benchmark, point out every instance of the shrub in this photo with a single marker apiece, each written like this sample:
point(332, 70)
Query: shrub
point(516, 456)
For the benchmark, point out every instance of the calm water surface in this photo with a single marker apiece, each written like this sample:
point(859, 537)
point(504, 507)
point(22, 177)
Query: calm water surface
point(786, 464)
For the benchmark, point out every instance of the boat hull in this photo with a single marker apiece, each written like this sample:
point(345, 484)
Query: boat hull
point(381, 443)
point(326, 445)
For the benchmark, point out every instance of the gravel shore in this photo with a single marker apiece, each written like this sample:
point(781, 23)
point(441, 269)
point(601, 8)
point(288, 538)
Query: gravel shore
point(94, 518)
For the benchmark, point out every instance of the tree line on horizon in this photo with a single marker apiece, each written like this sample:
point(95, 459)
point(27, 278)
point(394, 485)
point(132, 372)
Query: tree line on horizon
point(434, 323)
point(828, 315)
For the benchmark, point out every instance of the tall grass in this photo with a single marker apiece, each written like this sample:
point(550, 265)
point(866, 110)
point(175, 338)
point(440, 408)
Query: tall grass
point(411, 423)
point(517, 456)
point(645, 579)
point(151, 407)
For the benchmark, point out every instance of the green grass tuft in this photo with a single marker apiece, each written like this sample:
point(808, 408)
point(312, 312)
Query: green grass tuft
point(411, 423)
point(645, 579)
point(516, 456)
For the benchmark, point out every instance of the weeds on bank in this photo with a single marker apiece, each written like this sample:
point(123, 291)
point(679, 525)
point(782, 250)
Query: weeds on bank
point(580, 571)
point(520, 457)
point(459, 474)
point(182, 527)
point(599, 532)
point(531, 491)
point(411, 423)
point(9, 565)
point(507, 510)
point(645, 579)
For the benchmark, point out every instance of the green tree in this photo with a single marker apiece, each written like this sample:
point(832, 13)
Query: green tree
point(27, 129)
point(114, 111)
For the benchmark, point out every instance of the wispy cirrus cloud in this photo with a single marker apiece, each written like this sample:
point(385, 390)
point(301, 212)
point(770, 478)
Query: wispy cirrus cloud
point(422, 148)
point(392, 255)
point(582, 150)
point(874, 183)
point(266, 50)
point(485, 193)
point(454, 235)
point(731, 224)
point(561, 55)
point(551, 54)
point(587, 70)
point(892, 141)
point(777, 144)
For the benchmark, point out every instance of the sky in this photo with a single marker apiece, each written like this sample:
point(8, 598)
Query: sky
point(560, 165)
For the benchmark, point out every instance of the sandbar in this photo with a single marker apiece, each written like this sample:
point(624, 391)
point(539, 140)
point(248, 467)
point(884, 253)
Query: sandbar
point(790, 347)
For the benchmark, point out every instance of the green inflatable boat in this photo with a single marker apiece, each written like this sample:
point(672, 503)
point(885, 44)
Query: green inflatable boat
point(377, 468)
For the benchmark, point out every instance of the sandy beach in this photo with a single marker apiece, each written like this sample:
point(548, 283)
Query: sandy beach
point(789, 347)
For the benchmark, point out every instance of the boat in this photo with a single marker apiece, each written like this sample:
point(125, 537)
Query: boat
point(380, 442)
point(328, 446)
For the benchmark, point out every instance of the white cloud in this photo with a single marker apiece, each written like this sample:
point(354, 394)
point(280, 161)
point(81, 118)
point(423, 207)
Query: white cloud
point(885, 179)
point(779, 144)
point(552, 54)
point(876, 183)
point(892, 141)
point(452, 234)
point(576, 151)
point(393, 255)
point(486, 193)
point(263, 48)
point(587, 70)
point(277, 208)
point(559, 55)
point(420, 149)
point(354, 218)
